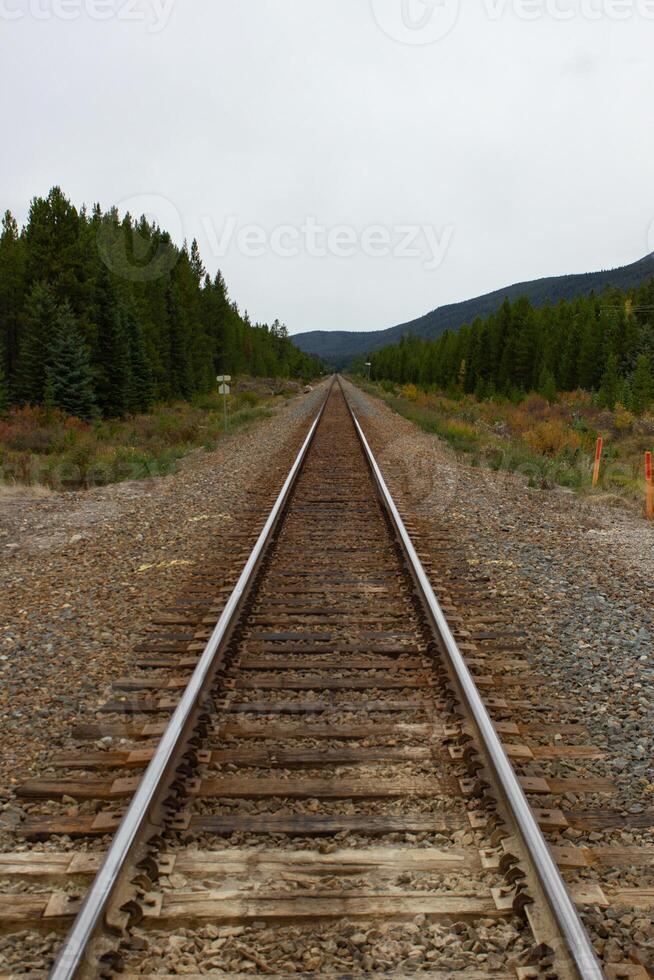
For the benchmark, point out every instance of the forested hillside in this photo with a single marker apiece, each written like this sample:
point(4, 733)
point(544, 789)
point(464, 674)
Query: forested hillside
point(340, 347)
point(105, 315)
point(603, 344)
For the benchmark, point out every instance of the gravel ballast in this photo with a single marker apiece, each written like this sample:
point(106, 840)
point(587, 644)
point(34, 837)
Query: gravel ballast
point(83, 573)
point(564, 581)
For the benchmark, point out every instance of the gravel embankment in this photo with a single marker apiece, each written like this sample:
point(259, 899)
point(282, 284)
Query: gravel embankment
point(83, 573)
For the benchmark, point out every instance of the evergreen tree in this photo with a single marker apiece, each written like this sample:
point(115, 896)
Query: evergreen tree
point(590, 345)
point(197, 266)
point(12, 291)
point(642, 385)
point(54, 247)
point(111, 360)
point(525, 345)
point(608, 392)
point(40, 317)
point(178, 350)
point(70, 380)
point(595, 343)
point(480, 389)
point(509, 344)
point(139, 387)
point(547, 385)
point(568, 365)
point(625, 394)
point(184, 330)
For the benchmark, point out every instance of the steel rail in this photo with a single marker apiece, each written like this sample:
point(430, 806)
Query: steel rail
point(90, 916)
point(579, 945)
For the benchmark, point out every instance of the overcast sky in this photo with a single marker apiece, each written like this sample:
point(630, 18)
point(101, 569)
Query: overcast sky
point(349, 164)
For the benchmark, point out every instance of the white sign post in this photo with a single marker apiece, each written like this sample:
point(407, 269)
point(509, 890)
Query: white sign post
point(224, 390)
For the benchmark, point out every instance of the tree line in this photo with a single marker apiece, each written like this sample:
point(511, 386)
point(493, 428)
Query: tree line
point(103, 315)
point(604, 344)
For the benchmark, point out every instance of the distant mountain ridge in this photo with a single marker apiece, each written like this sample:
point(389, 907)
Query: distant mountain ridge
point(339, 347)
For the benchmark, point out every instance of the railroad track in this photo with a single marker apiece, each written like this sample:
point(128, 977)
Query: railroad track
point(329, 796)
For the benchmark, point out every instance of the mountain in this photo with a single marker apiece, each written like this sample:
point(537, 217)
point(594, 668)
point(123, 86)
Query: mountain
point(337, 348)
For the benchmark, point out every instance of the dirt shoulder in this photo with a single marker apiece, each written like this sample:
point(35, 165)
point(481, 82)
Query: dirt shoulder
point(82, 574)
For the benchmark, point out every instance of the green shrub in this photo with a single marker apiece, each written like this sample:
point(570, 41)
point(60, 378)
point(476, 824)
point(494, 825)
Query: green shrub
point(547, 444)
point(39, 445)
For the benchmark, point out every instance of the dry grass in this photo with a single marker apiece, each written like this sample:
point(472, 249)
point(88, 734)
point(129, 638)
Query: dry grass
point(18, 491)
point(47, 449)
point(549, 443)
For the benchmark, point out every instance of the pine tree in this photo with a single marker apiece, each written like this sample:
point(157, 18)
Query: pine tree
point(197, 266)
point(547, 385)
point(12, 291)
point(642, 385)
point(525, 344)
point(40, 317)
point(569, 356)
point(69, 376)
point(186, 329)
point(178, 366)
point(54, 248)
point(625, 395)
point(589, 353)
point(111, 354)
point(608, 391)
point(140, 393)
point(509, 341)
point(480, 389)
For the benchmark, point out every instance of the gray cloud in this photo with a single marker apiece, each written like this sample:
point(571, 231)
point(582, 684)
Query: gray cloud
point(273, 113)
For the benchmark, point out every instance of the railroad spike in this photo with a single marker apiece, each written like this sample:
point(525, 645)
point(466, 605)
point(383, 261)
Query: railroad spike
point(520, 903)
point(514, 874)
point(507, 861)
point(144, 883)
point(499, 833)
point(134, 912)
point(541, 954)
point(113, 962)
point(150, 867)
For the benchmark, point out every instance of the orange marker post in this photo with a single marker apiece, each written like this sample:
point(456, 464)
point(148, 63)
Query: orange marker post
point(598, 460)
point(649, 488)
